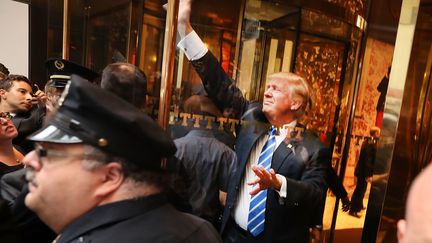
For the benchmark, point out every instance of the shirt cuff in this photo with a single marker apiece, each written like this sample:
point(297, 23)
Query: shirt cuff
point(193, 47)
point(283, 191)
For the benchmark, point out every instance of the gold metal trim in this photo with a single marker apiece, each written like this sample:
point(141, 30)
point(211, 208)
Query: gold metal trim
point(167, 72)
point(361, 23)
point(60, 76)
point(66, 29)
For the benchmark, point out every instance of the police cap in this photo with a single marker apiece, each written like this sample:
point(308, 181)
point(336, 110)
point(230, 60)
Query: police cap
point(90, 115)
point(60, 71)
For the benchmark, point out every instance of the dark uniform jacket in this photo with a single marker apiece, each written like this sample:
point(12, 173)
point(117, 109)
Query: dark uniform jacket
point(148, 219)
point(8, 232)
point(303, 162)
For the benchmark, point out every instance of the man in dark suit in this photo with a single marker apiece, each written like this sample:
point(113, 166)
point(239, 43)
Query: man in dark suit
point(112, 180)
point(13, 184)
point(292, 188)
point(59, 71)
point(27, 109)
point(364, 170)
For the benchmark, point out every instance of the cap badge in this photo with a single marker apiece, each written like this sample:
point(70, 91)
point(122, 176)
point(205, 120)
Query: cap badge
point(102, 142)
point(59, 64)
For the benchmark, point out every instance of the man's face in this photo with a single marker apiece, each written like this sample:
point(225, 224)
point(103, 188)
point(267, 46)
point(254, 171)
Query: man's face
point(53, 95)
point(278, 104)
point(18, 98)
point(60, 189)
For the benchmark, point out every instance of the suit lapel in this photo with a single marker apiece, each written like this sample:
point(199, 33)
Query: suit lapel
point(280, 156)
point(286, 148)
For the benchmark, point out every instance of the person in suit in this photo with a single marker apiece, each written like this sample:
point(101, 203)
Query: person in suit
point(208, 163)
point(27, 109)
point(112, 180)
point(59, 71)
point(364, 170)
point(280, 183)
point(13, 185)
point(415, 228)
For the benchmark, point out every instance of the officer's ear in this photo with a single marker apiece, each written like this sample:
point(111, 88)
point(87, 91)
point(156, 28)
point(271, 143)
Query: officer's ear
point(112, 177)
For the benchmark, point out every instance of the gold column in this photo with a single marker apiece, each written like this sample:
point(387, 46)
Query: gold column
point(66, 29)
point(395, 143)
point(167, 75)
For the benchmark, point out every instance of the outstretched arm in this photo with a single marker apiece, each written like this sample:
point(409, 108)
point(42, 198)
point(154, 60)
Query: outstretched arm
point(219, 86)
point(183, 26)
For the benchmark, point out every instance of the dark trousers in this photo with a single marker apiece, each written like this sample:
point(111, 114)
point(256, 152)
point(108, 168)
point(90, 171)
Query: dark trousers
point(235, 234)
point(357, 197)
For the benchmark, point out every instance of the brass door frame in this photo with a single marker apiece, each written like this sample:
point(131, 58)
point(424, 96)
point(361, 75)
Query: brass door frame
point(392, 115)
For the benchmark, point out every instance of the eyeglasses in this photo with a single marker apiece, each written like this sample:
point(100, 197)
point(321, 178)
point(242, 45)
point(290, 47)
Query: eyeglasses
point(6, 115)
point(46, 156)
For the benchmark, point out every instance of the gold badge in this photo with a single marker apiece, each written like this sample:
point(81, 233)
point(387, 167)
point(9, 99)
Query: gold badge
point(102, 142)
point(59, 64)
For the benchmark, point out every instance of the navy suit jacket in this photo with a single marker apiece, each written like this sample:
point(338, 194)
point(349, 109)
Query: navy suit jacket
point(301, 158)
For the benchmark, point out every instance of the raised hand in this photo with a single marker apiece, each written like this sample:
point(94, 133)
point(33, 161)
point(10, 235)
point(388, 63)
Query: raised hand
point(39, 97)
point(184, 27)
point(264, 179)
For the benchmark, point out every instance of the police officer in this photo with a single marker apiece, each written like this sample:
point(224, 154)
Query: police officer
point(59, 71)
point(104, 156)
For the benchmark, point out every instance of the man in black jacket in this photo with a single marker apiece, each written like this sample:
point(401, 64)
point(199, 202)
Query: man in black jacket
point(104, 156)
point(27, 109)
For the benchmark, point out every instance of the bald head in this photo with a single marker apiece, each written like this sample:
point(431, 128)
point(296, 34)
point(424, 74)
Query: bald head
point(127, 81)
point(416, 228)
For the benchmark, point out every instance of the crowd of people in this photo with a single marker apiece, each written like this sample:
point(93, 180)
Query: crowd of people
point(81, 162)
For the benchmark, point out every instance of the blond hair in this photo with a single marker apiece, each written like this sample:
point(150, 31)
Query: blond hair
point(298, 88)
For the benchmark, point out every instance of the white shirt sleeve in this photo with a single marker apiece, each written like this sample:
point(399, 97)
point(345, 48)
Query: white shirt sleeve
point(283, 190)
point(193, 47)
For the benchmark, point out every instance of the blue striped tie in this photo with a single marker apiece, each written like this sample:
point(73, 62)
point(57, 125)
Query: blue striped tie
point(256, 217)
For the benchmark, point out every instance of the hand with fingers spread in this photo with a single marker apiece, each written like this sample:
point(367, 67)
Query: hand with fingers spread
point(264, 180)
point(183, 22)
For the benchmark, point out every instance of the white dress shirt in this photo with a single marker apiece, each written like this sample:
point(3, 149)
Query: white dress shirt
point(241, 210)
point(192, 46)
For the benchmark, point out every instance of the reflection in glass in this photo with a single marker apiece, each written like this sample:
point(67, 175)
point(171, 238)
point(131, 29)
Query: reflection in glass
point(99, 32)
point(363, 171)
